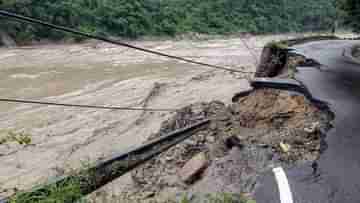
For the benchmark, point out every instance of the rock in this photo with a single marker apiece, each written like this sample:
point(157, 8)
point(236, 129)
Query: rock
point(147, 194)
point(233, 141)
point(262, 145)
point(168, 194)
point(210, 139)
point(171, 180)
point(193, 168)
point(202, 138)
point(213, 126)
point(284, 147)
point(168, 158)
point(224, 117)
point(313, 128)
point(269, 67)
point(189, 142)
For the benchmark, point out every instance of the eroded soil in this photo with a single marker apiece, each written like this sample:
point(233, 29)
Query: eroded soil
point(102, 74)
point(245, 139)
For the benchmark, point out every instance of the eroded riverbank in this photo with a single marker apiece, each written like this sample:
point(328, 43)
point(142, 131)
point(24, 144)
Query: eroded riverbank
point(98, 74)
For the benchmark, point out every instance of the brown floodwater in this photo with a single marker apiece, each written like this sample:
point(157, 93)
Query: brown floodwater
point(102, 74)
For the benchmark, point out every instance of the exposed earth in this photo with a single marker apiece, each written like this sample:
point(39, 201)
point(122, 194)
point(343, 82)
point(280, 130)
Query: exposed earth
point(265, 129)
point(335, 82)
point(254, 133)
point(102, 74)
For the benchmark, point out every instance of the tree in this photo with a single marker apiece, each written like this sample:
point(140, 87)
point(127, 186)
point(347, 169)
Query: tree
point(136, 18)
point(352, 9)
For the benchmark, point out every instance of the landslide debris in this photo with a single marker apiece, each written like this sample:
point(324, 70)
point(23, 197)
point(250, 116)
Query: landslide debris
point(263, 128)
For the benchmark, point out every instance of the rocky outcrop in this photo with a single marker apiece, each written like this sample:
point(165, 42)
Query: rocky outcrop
point(272, 60)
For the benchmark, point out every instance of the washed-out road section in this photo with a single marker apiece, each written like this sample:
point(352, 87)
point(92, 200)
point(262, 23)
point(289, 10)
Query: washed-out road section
point(337, 83)
point(101, 74)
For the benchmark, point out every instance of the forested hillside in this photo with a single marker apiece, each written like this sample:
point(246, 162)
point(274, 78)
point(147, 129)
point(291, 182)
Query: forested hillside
point(135, 18)
point(352, 11)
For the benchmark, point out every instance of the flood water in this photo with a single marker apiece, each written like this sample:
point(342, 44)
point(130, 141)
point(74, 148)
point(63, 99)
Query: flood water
point(101, 74)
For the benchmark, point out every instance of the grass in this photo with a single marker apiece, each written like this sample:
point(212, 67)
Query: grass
point(21, 138)
point(277, 45)
point(70, 191)
point(59, 190)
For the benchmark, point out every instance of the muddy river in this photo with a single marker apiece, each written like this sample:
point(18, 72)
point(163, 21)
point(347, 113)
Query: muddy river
point(96, 73)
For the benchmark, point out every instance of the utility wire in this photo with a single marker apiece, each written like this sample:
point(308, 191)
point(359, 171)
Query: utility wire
point(82, 106)
point(250, 50)
point(97, 37)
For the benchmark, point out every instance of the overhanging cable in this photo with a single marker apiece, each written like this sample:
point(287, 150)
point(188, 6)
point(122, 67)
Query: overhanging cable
point(76, 32)
point(250, 51)
point(82, 106)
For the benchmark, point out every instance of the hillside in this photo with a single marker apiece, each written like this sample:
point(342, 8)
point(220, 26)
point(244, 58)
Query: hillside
point(137, 18)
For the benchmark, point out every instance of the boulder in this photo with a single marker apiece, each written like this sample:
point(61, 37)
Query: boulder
point(193, 168)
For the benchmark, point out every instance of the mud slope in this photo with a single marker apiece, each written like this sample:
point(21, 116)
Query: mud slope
point(100, 74)
point(244, 140)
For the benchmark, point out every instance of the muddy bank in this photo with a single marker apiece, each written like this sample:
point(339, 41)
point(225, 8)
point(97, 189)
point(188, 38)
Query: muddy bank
point(102, 74)
point(264, 129)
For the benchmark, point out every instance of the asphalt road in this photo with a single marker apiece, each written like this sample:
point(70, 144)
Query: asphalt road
point(337, 180)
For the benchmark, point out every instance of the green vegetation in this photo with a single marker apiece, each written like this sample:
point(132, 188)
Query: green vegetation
point(352, 9)
point(63, 189)
point(277, 45)
point(69, 191)
point(10, 136)
point(136, 18)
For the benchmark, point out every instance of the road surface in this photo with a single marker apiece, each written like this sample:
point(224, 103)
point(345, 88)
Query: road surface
point(337, 179)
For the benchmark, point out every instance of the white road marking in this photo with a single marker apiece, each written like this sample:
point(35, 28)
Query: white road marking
point(283, 185)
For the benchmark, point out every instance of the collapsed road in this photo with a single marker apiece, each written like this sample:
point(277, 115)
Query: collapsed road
point(333, 178)
point(281, 111)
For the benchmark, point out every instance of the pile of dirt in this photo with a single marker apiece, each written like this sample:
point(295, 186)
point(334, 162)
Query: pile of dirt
point(265, 128)
point(287, 119)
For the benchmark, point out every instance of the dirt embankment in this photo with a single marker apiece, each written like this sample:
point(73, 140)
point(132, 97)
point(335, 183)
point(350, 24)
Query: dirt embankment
point(113, 76)
point(259, 131)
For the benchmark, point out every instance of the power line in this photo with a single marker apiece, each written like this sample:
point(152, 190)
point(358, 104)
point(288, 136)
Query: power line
point(97, 37)
point(82, 106)
point(250, 50)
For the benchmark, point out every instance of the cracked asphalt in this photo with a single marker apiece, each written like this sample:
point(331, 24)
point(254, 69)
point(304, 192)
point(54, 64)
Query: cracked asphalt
point(337, 178)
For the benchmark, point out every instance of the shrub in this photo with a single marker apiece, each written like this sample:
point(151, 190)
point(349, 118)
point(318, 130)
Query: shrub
point(136, 18)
